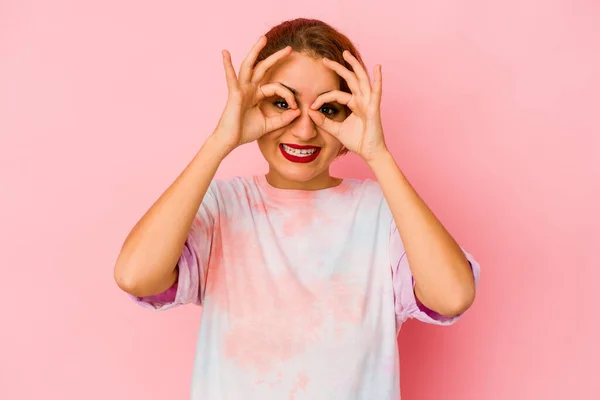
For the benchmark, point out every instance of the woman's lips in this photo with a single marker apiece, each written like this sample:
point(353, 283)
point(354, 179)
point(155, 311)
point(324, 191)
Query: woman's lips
point(292, 152)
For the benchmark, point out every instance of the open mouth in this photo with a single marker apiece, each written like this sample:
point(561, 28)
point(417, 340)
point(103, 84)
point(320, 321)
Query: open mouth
point(299, 154)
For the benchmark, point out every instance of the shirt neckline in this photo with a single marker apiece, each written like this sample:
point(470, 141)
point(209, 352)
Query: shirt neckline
point(261, 181)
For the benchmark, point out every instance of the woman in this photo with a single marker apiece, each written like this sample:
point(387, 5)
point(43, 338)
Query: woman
point(304, 278)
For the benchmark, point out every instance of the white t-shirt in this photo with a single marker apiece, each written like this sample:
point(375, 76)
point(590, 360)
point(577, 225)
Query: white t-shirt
point(302, 292)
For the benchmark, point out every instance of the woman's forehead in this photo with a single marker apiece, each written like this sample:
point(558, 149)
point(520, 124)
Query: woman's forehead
point(306, 75)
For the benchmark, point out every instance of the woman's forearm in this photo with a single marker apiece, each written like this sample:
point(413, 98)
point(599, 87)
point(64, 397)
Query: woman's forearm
point(443, 278)
point(147, 262)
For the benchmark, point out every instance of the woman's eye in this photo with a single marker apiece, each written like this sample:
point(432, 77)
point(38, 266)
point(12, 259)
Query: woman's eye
point(281, 104)
point(329, 110)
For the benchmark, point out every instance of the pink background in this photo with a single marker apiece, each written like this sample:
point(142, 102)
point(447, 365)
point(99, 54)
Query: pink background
point(491, 109)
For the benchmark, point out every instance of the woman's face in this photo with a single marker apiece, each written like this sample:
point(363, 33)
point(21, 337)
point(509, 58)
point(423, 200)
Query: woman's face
point(300, 153)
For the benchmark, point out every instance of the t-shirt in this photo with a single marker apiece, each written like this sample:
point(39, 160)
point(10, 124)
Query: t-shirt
point(302, 292)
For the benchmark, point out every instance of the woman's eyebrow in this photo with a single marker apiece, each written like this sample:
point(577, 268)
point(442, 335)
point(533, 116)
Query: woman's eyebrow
point(295, 92)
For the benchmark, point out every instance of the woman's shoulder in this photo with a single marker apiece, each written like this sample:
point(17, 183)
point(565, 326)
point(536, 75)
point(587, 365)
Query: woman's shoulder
point(223, 187)
point(232, 181)
point(367, 187)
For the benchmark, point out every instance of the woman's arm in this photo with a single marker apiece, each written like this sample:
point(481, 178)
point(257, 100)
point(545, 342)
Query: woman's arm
point(443, 278)
point(147, 263)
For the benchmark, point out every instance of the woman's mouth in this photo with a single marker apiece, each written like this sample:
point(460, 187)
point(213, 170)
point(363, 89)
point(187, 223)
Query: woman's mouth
point(299, 154)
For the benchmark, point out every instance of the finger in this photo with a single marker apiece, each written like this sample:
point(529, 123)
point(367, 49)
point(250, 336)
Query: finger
point(229, 71)
point(328, 125)
point(363, 77)
point(276, 89)
point(345, 73)
point(281, 120)
point(248, 63)
point(337, 96)
point(262, 67)
point(377, 85)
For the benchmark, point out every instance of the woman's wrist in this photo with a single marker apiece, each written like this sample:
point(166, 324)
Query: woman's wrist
point(380, 160)
point(218, 145)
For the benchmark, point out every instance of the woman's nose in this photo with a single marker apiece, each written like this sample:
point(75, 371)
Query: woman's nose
point(303, 127)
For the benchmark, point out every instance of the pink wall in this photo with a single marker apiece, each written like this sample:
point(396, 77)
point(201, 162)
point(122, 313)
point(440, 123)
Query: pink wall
point(492, 109)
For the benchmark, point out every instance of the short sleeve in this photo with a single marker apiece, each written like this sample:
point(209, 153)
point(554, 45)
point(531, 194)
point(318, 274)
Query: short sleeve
point(193, 262)
point(406, 304)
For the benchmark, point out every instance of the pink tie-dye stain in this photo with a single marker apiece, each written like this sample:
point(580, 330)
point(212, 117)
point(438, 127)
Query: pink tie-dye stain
point(303, 293)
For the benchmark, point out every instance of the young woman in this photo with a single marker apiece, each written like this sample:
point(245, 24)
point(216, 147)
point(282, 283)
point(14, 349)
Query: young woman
point(304, 278)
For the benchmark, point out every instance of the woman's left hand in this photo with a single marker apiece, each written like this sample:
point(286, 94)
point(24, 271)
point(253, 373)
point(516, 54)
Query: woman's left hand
point(361, 132)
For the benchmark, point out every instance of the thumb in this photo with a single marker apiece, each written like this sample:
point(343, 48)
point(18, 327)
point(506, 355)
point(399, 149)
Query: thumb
point(331, 127)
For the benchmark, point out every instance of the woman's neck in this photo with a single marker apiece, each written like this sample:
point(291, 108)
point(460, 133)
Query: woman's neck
point(322, 181)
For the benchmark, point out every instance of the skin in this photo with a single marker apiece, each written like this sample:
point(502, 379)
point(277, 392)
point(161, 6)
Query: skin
point(307, 77)
point(261, 107)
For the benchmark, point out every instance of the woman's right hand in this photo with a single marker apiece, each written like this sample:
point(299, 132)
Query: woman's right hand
point(242, 120)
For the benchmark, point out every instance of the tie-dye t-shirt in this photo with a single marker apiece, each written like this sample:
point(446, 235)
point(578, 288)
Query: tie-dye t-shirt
point(302, 292)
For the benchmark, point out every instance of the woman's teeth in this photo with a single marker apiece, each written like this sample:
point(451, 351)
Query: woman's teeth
point(299, 152)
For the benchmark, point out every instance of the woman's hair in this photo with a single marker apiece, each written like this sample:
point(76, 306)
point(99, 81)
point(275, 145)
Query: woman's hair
point(314, 38)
